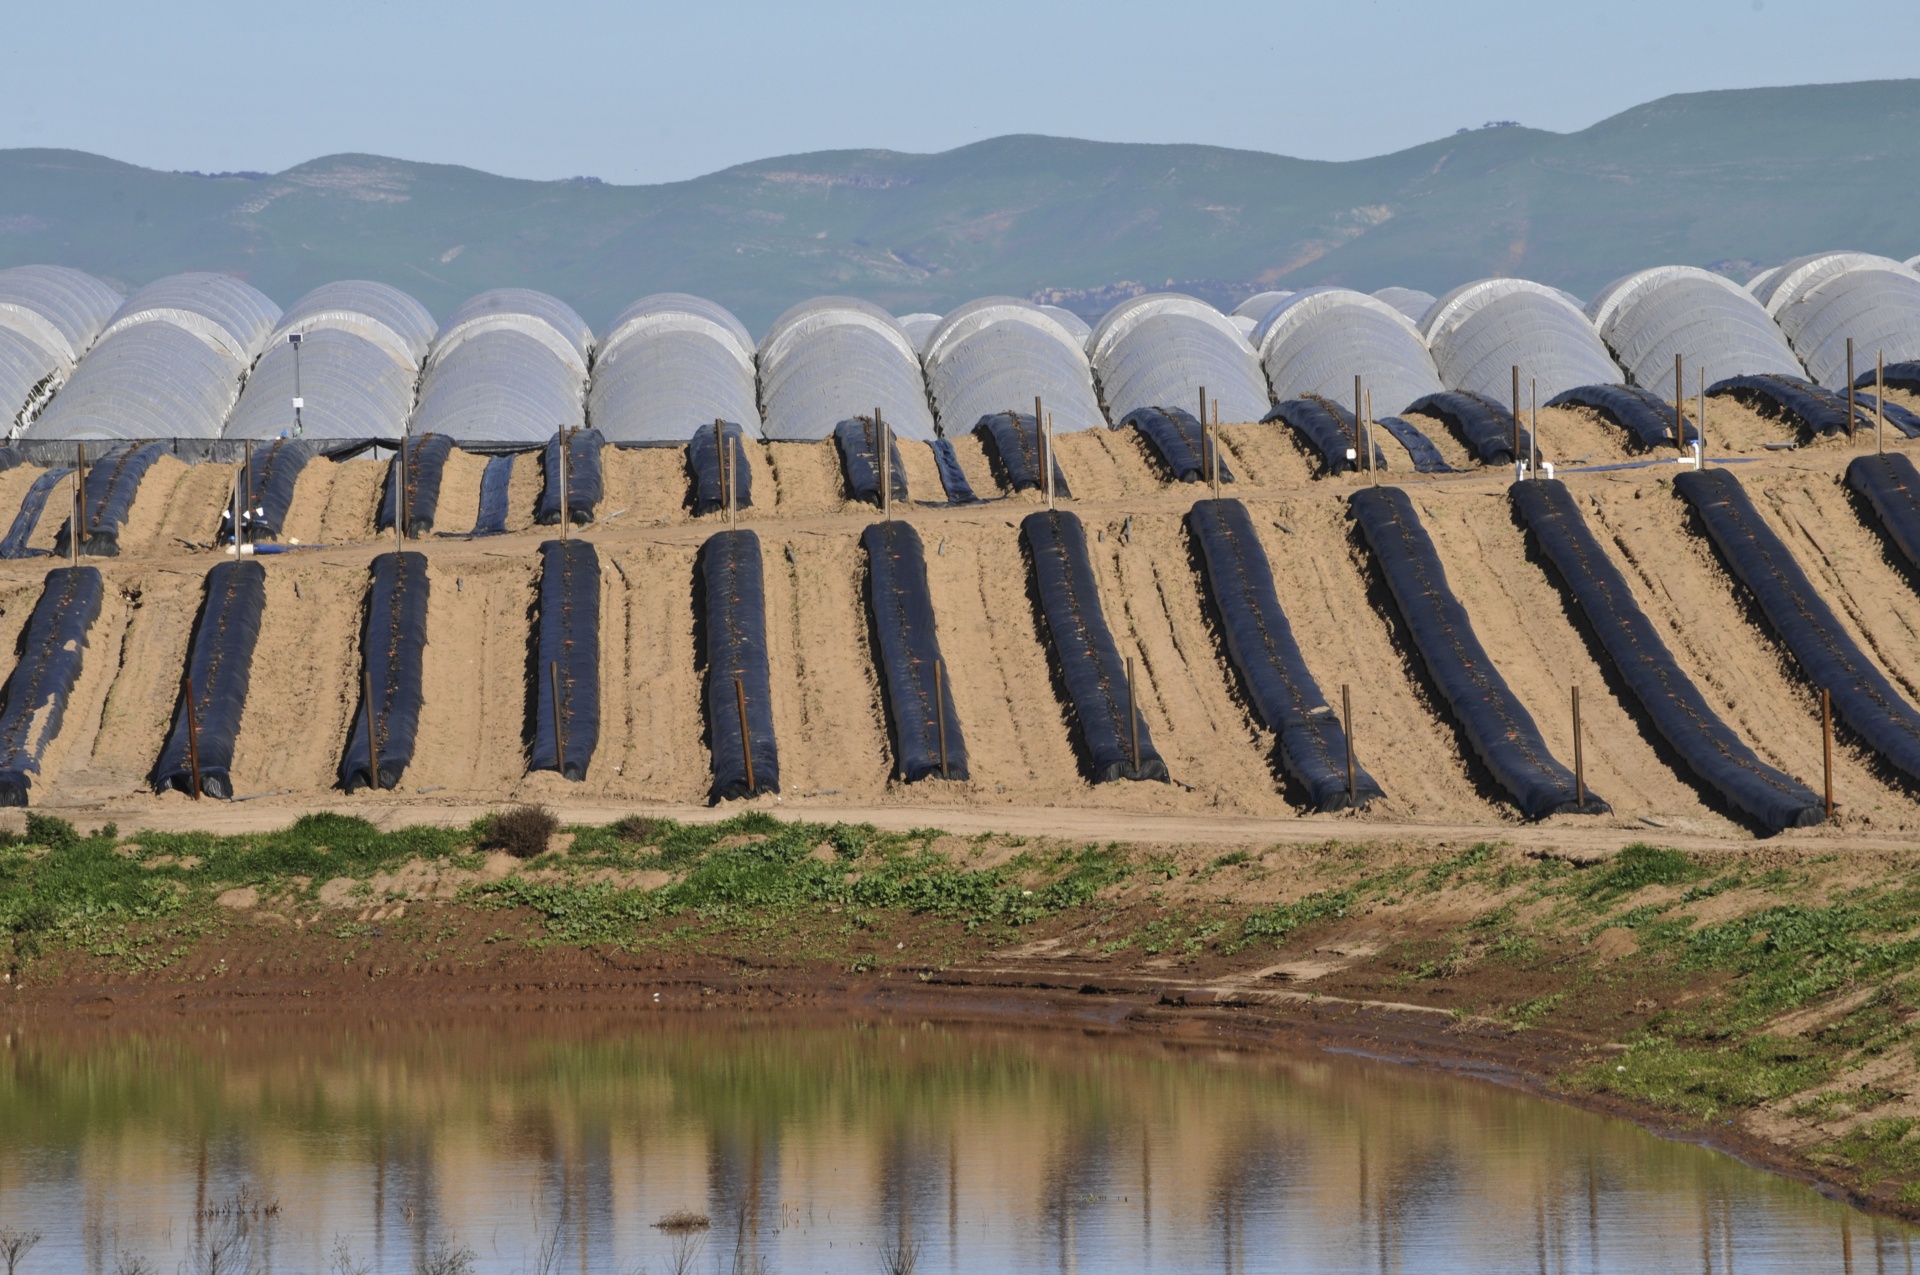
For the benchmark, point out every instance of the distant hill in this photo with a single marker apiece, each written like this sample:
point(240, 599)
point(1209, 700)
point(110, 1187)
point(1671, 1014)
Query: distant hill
point(1733, 180)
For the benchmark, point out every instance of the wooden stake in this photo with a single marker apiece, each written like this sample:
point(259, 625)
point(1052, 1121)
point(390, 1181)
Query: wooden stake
point(1516, 413)
point(1373, 475)
point(246, 470)
point(559, 729)
point(1849, 389)
point(1047, 460)
point(79, 500)
point(1579, 756)
point(940, 711)
point(1879, 401)
point(1133, 719)
point(720, 459)
point(373, 751)
point(400, 497)
point(1346, 726)
point(193, 743)
point(1038, 443)
point(1700, 425)
point(1826, 745)
point(561, 438)
point(746, 737)
point(236, 515)
point(885, 466)
point(1679, 405)
point(1359, 410)
point(1533, 427)
point(73, 524)
point(1213, 450)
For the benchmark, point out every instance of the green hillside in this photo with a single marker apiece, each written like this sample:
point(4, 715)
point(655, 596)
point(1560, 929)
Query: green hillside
point(1734, 179)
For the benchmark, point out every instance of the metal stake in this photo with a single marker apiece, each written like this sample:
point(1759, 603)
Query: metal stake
point(940, 711)
point(373, 751)
point(1346, 727)
point(1849, 389)
point(1579, 756)
point(1133, 719)
point(1826, 744)
point(193, 742)
point(746, 738)
point(1679, 405)
point(559, 731)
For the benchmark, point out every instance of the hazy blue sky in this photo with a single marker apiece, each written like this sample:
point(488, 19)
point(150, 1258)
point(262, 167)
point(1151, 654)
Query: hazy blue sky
point(645, 93)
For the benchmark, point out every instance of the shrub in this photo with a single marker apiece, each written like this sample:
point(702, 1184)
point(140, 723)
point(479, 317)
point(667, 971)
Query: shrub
point(522, 831)
point(639, 830)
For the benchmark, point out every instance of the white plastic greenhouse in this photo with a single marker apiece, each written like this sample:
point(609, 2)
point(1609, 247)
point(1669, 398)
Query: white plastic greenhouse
point(996, 354)
point(1709, 321)
point(1318, 340)
point(508, 369)
point(834, 358)
point(1161, 349)
point(49, 317)
point(669, 365)
point(1480, 331)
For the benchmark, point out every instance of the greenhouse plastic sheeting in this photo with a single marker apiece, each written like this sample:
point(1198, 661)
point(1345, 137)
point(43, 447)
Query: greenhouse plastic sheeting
point(49, 317)
point(1409, 301)
point(426, 464)
point(51, 654)
point(1420, 449)
point(220, 662)
point(669, 366)
point(1706, 319)
point(361, 347)
point(860, 461)
point(1161, 349)
point(953, 477)
point(393, 653)
point(508, 370)
point(496, 488)
point(1257, 306)
point(1820, 410)
point(1260, 643)
point(703, 462)
point(1180, 442)
point(1497, 725)
point(568, 653)
point(1758, 559)
point(32, 505)
point(1480, 331)
point(1321, 338)
point(107, 496)
point(830, 358)
point(1482, 424)
point(1089, 663)
point(1878, 308)
point(919, 706)
point(736, 624)
point(167, 365)
point(586, 481)
point(1081, 330)
point(1780, 287)
point(1017, 447)
point(1671, 701)
point(996, 354)
point(1891, 486)
point(1640, 412)
point(918, 327)
point(275, 473)
point(1329, 428)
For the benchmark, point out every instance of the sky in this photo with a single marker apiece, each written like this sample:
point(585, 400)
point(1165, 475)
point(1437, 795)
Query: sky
point(642, 93)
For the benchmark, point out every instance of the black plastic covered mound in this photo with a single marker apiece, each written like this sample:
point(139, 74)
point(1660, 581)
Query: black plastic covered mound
point(1497, 725)
point(1862, 696)
point(111, 484)
point(736, 619)
point(1420, 449)
point(11, 458)
point(1329, 428)
point(703, 463)
point(1090, 664)
point(1484, 425)
point(496, 482)
point(568, 643)
point(49, 667)
point(585, 481)
point(1902, 419)
point(1892, 486)
point(1017, 445)
point(32, 505)
point(1642, 413)
point(909, 650)
point(1820, 410)
point(952, 476)
point(1179, 440)
point(1672, 702)
point(220, 662)
point(276, 470)
point(393, 651)
point(1259, 641)
point(426, 466)
point(860, 460)
point(1901, 376)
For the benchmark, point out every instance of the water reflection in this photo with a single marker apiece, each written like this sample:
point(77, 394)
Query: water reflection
point(554, 1143)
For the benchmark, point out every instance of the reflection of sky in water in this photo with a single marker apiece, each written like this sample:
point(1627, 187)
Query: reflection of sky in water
point(811, 1148)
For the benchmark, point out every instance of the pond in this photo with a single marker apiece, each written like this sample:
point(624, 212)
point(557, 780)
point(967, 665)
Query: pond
point(550, 1142)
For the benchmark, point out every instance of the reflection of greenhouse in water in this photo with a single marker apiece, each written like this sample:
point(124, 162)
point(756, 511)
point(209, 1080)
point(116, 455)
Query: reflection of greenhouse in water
point(827, 1149)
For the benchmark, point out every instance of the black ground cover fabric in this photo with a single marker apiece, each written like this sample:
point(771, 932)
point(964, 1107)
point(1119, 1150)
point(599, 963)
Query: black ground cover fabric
point(111, 484)
point(496, 484)
point(393, 653)
point(1420, 449)
point(1089, 663)
point(1482, 424)
point(703, 463)
point(586, 482)
point(1328, 427)
point(567, 642)
point(1642, 413)
point(1863, 698)
point(11, 458)
point(1016, 445)
point(908, 648)
point(860, 461)
point(220, 662)
point(426, 466)
point(1180, 441)
point(51, 654)
point(1901, 376)
point(32, 505)
point(1820, 410)
point(952, 476)
point(1891, 486)
point(735, 611)
point(1497, 725)
point(1711, 749)
point(1259, 642)
point(274, 473)
point(1903, 420)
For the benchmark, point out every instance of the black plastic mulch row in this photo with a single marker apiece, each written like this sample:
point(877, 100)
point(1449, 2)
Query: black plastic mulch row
point(32, 505)
point(1820, 410)
point(496, 483)
point(275, 471)
point(859, 446)
point(51, 655)
point(1420, 449)
point(107, 495)
point(735, 610)
point(703, 464)
point(1180, 441)
point(1017, 445)
point(1891, 486)
point(1642, 413)
point(426, 466)
point(953, 477)
point(220, 662)
point(1486, 427)
point(912, 670)
point(568, 659)
point(586, 484)
point(393, 649)
point(1328, 427)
